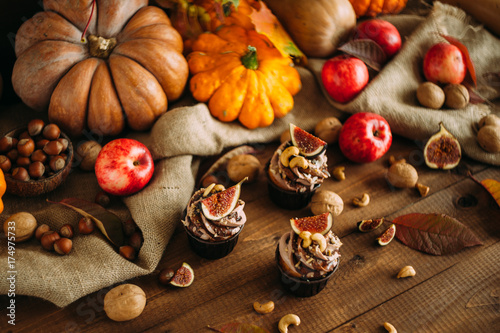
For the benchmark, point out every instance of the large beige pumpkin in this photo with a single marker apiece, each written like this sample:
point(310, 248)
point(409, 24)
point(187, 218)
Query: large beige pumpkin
point(125, 71)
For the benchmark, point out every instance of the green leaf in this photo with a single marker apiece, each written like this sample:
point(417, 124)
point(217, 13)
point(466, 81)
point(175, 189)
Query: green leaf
point(240, 328)
point(435, 234)
point(110, 225)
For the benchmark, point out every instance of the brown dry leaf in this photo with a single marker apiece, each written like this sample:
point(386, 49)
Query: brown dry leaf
point(110, 225)
point(435, 234)
point(367, 51)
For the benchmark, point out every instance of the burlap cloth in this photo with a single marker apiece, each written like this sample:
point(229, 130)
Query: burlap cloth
point(184, 135)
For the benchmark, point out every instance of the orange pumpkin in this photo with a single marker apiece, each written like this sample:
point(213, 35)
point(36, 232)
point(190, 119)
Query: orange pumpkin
point(375, 7)
point(242, 76)
point(126, 69)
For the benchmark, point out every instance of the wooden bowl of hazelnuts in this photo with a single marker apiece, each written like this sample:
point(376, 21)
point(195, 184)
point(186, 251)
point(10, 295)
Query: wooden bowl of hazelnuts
point(35, 159)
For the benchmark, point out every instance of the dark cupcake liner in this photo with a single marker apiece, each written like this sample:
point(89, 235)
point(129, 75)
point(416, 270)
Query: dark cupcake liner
point(290, 200)
point(302, 287)
point(212, 250)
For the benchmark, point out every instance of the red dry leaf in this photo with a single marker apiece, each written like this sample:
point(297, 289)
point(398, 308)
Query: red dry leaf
point(110, 225)
point(468, 61)
point(367, 51)
point(240, 328)
point(435, 234)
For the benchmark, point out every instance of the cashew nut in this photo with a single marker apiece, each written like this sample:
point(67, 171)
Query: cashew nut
point(306, 236)
point(287, 153)
point(363, 201)
point(299, 161)
point(264, 308)
point(390, 328)
point(406, 272)
point(320, 239)
point(288, 320)
point(208, 189)
point(338, 173)
point(422, 189)
point(219, 188)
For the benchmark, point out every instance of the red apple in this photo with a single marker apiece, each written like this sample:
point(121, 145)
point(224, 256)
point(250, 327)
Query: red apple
point(123, 167)
point(444, 63)
point(344, 77)
point(365, 137)
point(382, 32)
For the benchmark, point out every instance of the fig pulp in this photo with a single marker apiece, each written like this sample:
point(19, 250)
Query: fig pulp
point(442, 150)
point(387, 236)
point(183, 277)
point(308, 144)
point(314, 224)
point(222, 203)
point(369, 225)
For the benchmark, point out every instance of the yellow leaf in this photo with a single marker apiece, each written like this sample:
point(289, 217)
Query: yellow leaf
point(492, 186)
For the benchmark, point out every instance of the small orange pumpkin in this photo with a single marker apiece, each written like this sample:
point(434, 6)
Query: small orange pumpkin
point(125, 70)
point(242, 76)
point(375, 7)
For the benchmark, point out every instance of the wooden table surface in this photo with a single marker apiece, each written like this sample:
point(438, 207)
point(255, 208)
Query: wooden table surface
point(451, 293)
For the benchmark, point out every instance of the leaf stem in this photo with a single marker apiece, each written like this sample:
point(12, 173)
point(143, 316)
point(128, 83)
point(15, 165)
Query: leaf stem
point(88, 22)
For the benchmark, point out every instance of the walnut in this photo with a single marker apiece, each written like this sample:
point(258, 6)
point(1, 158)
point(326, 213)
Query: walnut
point(326, 201)
point(241, 166)
point(328, 129)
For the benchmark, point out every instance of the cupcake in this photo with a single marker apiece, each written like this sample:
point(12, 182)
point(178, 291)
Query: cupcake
point(296, 169)
point(308, 255)
point(214, 218)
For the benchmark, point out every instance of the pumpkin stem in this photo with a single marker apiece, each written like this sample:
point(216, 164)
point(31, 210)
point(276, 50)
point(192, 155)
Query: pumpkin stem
point(101, 47)
point(88, 22)
point(249, 60)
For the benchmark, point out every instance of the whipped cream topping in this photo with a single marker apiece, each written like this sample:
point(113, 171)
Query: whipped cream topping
point(308, 262)
point(212, 230)
point(298, 179)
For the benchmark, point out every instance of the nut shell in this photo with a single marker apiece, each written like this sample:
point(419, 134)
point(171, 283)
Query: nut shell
point(456, 96)
point(328, 130)
point(241, 166)
point(87, 153)
point(430, 95)
point(324, 201)
point(402, 175)
point(488, 138)
point(491, 119)
point(24, 225)
point(125, 302)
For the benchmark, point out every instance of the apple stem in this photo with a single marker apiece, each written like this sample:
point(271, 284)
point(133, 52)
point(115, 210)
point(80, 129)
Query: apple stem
point(88, 23)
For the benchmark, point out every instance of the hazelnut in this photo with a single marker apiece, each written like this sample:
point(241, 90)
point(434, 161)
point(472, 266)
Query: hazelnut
point(21, 174)
point(53, 148)
point(135, 240)
point(430, 95)
point(26, 147)
point(63, 246)
point(326, 201)
point(66, 231)
point(22, 224)
point(48, 239)
point(87, 153)
point(23, 161)
point(41, 143)
point(35, 127)
point(328, 129)
point(64, 142)
point(12, 154)
point(24, 135)
point(5, 163)
point(129, 227)
point(102, 198)
point(57, 163)
point(38, 156)
point(165, 276)
point(124, 302)
point(36, 169)
point(488, 138)
point(51, 132)
point(241, 166)
point(127, 252)
point(402, 175)
point(6, 144)
point(457, 96)
point(86, 225)
point(43, 228)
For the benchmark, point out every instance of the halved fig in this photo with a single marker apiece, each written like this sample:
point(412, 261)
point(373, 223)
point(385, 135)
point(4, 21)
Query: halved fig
point(369, 225)
point(308, 144)
point(387, 236)
point(183, 277)
point(442, 150)
point(314, 224)
point(222, 203)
